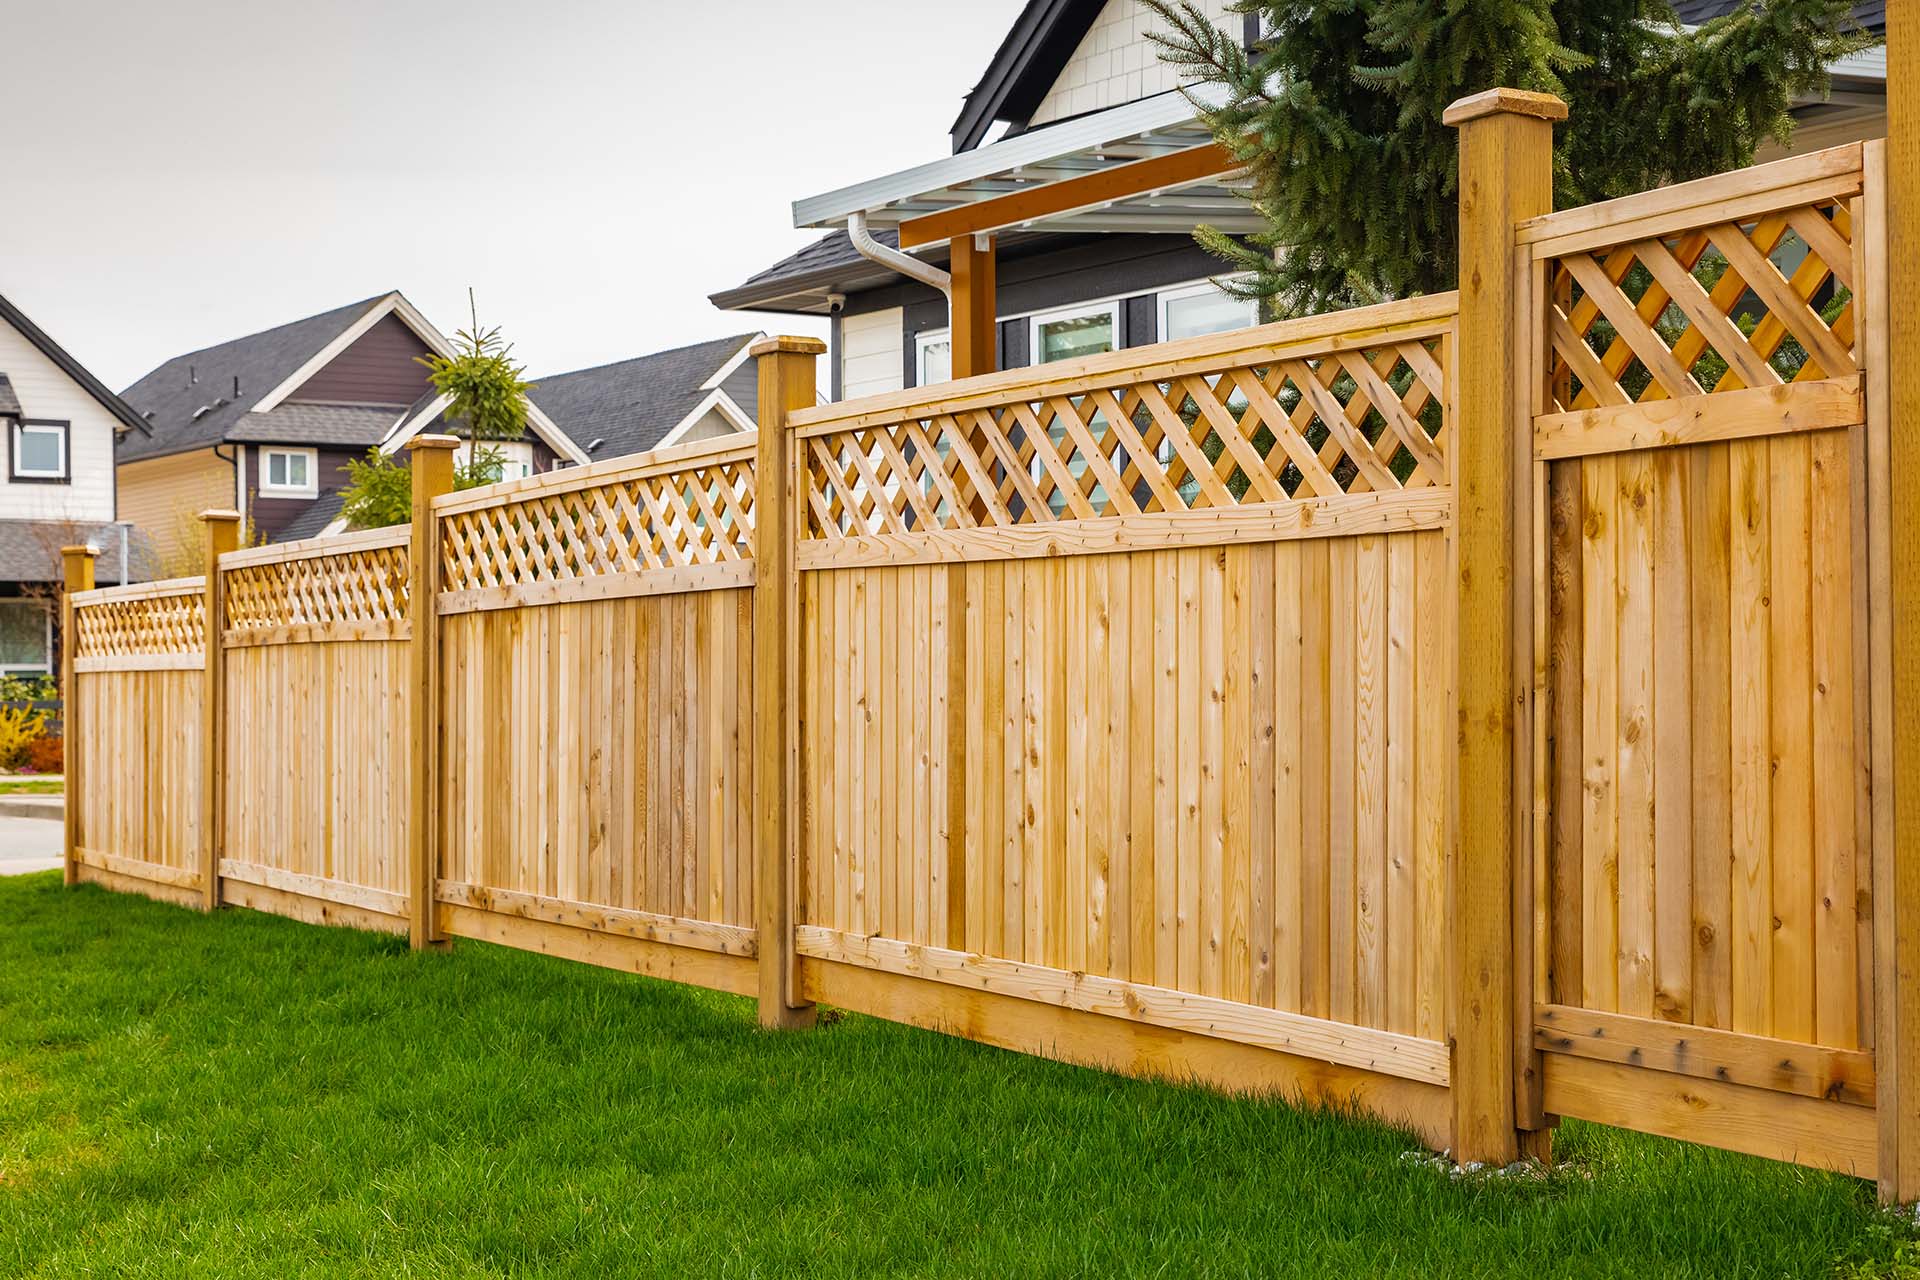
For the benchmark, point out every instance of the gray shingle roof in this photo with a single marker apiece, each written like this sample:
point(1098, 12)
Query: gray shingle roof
point(30, 549)
point(1871, 14)
point(628, 406)
point(312, 522)
point(175, 391)
point(9, 402)
point(353, 425)
point(830, 262)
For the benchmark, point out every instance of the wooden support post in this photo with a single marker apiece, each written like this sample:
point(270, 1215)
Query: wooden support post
point(432, 477)
point(1506, 175)
point(1897, 886)
point(975, 327)
point(223, 535)
point(786, 384)
point(77, 566)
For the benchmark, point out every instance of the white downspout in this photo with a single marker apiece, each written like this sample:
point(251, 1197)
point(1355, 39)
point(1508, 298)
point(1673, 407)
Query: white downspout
point(906, 264)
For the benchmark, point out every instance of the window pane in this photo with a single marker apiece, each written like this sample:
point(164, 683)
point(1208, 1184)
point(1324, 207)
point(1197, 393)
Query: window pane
point(39, 452)
point(1075, 336)
point(936, 362)
point(297, 470)
point(276, 468)
point(23, 634)
point(1209, 312)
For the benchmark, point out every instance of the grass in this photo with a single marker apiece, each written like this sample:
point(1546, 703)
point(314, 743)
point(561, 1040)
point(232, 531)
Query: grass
point(32, 786)
point(245, 1095)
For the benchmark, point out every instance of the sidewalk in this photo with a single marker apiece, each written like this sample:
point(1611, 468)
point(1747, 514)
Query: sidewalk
point(28, 844)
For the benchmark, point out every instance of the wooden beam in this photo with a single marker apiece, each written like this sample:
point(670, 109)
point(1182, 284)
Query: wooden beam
point(1178, 169)
point(787, 383)
point(223, 535)
point(1506, 176)
point(77, 568)
point(432, 476)
point(1897, 917)
point(975, 322)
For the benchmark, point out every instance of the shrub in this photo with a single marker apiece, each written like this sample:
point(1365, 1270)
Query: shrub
point(46, 755)
point(28, 688)
point(19, 729)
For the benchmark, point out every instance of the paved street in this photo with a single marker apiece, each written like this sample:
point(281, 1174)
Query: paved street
point(28, 844)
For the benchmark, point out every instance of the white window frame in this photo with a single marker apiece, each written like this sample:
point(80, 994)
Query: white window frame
point(1200, 290)
point(1077, 311)
point(27, 668)
point(516, 457)
point(62, 429)
point(929, 338)
point(268, 489)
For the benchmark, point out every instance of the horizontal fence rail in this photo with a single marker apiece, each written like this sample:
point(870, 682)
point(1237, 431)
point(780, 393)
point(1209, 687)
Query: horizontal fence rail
point(1473, 709)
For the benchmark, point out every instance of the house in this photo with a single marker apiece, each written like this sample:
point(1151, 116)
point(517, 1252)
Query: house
point(265, 425)
point(61, 425)
point(1061, 223)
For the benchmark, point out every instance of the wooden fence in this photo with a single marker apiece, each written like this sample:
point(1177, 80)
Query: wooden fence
point(1473, 709)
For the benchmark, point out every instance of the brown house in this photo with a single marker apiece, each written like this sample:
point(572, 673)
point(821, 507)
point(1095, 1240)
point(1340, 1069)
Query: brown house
point(266, 424)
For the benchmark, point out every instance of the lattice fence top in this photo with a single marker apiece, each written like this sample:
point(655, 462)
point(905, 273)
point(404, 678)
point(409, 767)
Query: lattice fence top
point(356, 579)
point(1753, 293)
point(1279, 414)
point(679, 509)
point(150, 619)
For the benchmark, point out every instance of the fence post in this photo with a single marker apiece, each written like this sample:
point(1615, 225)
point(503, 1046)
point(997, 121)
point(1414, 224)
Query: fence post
point(76, 565)
point(223, 535)
point(1506, 175)
point(1897, 926)
point(786, 371)
point(432, 476)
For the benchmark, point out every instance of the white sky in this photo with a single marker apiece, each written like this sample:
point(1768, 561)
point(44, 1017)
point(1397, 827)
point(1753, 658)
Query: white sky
point(178, 174)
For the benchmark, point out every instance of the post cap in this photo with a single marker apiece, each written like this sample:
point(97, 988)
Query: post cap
point(434, 442)
point(790, 344)
point(84, 549)
point(1512, 102)
point(220, 515)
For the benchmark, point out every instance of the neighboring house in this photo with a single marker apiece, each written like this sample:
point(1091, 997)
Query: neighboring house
point(1078, 94)
point(266, 424)
point(61, 424)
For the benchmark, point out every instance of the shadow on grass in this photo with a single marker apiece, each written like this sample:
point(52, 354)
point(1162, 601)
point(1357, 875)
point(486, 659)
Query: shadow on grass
point(242, 1095)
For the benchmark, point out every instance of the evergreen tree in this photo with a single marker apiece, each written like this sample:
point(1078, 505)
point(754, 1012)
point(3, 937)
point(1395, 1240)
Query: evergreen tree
point(1337, 115)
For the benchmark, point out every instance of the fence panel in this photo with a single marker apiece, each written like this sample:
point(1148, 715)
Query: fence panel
point(138, 667)
point(1129, 694)
point(595, 693)
point(315, 813)
point(1708, 945)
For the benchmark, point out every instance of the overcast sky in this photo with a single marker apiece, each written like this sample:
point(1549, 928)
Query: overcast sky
point(183, 173)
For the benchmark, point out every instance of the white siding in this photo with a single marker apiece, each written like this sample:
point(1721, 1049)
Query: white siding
point(1114, 63)
point(45, 391)
point(870, 354)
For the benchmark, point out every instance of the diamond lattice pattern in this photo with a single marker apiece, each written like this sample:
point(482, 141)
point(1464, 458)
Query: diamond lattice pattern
point(1283, 430)
point(362, 586)
point(171, 624)
point(1715, 309)
point(702, 515)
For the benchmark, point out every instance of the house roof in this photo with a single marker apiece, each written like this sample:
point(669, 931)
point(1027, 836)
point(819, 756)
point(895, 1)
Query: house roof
point(359, 426)
point(53, 351)
point(1871, 14)
point(631, 405)
point(30, 549)
point(9, 402)
point(314, 519)
point(1036, 49)
point(801, 281)
point(174, 395)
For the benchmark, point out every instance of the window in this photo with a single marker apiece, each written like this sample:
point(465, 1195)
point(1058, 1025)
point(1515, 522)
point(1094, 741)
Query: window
point(1203, 308)
point(288, 473)
point(39, 451)
point(933, 360)
point(26, 637)
point(515, 458)
point(1077, 331)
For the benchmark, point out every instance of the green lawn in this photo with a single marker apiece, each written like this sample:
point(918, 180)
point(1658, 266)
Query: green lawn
point(32, 786)
point(244, 1095)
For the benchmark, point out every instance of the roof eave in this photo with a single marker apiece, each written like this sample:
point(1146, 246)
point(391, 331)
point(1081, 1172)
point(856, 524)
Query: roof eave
point(73, 368)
